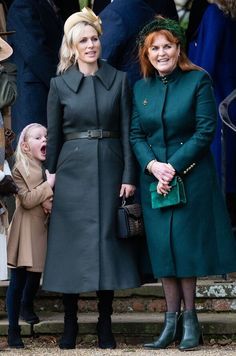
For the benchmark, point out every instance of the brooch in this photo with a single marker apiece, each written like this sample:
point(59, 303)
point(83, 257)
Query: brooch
point(145, 102)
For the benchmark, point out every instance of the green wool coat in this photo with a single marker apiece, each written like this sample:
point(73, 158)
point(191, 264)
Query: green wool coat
point(174, 120)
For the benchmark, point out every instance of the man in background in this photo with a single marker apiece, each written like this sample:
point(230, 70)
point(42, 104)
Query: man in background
point(38, 30)
point(121, 22)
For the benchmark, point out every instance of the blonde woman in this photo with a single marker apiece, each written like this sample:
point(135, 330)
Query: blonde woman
point(88, 149)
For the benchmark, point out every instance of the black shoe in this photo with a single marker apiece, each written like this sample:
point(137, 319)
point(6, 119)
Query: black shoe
point(14, 338)
point(192, 335)
point(170, 332)
point(106, 339)
point(68, 339)
point(27, 314)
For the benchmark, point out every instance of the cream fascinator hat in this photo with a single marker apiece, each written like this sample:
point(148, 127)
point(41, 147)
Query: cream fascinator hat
point(86, 15)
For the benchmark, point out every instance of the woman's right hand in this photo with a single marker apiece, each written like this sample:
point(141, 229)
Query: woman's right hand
point(164, 172)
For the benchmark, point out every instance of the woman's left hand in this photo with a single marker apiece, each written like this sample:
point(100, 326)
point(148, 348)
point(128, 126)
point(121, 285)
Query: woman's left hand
point(127, 190)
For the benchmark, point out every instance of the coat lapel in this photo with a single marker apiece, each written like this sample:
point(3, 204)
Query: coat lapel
point(73, 77)
point(106, 74)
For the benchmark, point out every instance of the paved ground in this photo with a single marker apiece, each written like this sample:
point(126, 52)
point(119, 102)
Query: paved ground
point(48, 346)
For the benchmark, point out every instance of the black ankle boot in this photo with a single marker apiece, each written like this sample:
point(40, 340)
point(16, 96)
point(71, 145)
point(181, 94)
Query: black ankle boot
point(14, 338)
point(192, 335)
point(170, 332)
point(27, 314)
point(68, 339)
point(106, 339)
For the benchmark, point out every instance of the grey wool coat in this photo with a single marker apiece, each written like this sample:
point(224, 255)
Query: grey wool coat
point(84, 253)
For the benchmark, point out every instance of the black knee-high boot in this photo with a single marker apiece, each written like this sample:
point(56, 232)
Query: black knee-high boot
point(68, 339)
point(106, 339)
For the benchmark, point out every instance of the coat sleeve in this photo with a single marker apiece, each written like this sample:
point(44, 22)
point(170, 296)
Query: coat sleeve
point(113, 37)
point(129, 173)
point(55, 136)
point(7, 84)
point(205, 124)
point(213, 39)
point(29, 39)
point(141, 148)
point(31, 198)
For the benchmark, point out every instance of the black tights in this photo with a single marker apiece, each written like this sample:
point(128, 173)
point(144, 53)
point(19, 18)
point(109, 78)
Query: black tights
point(177, 289)
point(22, 288)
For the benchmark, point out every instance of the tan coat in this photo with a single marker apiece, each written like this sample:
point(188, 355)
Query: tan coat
point(27, 237)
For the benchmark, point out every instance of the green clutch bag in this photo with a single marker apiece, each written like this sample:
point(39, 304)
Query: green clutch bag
point(176, 195)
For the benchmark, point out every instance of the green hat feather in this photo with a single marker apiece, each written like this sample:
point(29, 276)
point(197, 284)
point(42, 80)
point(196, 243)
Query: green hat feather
point(161, 23)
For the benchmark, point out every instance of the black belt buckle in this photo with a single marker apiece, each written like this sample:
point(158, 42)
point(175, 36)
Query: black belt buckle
point(95, 134)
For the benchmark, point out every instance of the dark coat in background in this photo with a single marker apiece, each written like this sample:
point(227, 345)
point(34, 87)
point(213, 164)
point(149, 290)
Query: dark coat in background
point(99, 5)
point(121, 22)
point(67, 7)
point(84, 253)
point(174, 121)
point(213, 47)
point(35, 44)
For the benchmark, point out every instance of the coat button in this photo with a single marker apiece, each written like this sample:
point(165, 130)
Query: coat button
point(181, 143)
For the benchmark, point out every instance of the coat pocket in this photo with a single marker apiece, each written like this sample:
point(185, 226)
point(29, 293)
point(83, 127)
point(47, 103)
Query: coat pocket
point(66, 154)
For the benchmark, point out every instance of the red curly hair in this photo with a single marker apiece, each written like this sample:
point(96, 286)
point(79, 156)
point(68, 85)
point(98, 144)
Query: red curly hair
point(147, 68)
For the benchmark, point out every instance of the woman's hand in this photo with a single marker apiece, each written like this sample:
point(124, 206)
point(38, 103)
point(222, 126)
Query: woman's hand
point(127, 190)
point(50, 178)
point(164, 172)
point(163, 188)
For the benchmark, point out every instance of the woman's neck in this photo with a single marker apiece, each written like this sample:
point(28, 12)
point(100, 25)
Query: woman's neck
point(88, 68)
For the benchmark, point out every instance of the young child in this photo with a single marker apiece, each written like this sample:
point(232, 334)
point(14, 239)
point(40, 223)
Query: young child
point(27, 238)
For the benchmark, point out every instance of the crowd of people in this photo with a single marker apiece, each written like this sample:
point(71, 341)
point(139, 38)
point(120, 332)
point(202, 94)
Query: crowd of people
point(107, 108)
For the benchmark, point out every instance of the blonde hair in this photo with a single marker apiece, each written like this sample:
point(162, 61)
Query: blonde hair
point(20, 155)
point(147, 68)
point(227, 6)
point(69, 53)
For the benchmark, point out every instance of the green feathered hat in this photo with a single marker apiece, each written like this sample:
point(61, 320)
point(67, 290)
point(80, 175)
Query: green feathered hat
point(161, 23)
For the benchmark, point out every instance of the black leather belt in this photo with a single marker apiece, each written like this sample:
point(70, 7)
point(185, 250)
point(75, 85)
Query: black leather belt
point(92, 134)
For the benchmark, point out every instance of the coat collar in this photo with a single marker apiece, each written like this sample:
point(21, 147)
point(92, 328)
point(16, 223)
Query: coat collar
point(73, 77)
point(170, 77)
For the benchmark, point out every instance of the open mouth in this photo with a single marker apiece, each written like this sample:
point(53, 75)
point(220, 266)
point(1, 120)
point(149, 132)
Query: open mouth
point(43, 149)
point(163, 60)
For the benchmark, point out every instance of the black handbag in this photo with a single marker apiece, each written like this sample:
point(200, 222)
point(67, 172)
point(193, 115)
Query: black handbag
point(130, 221)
